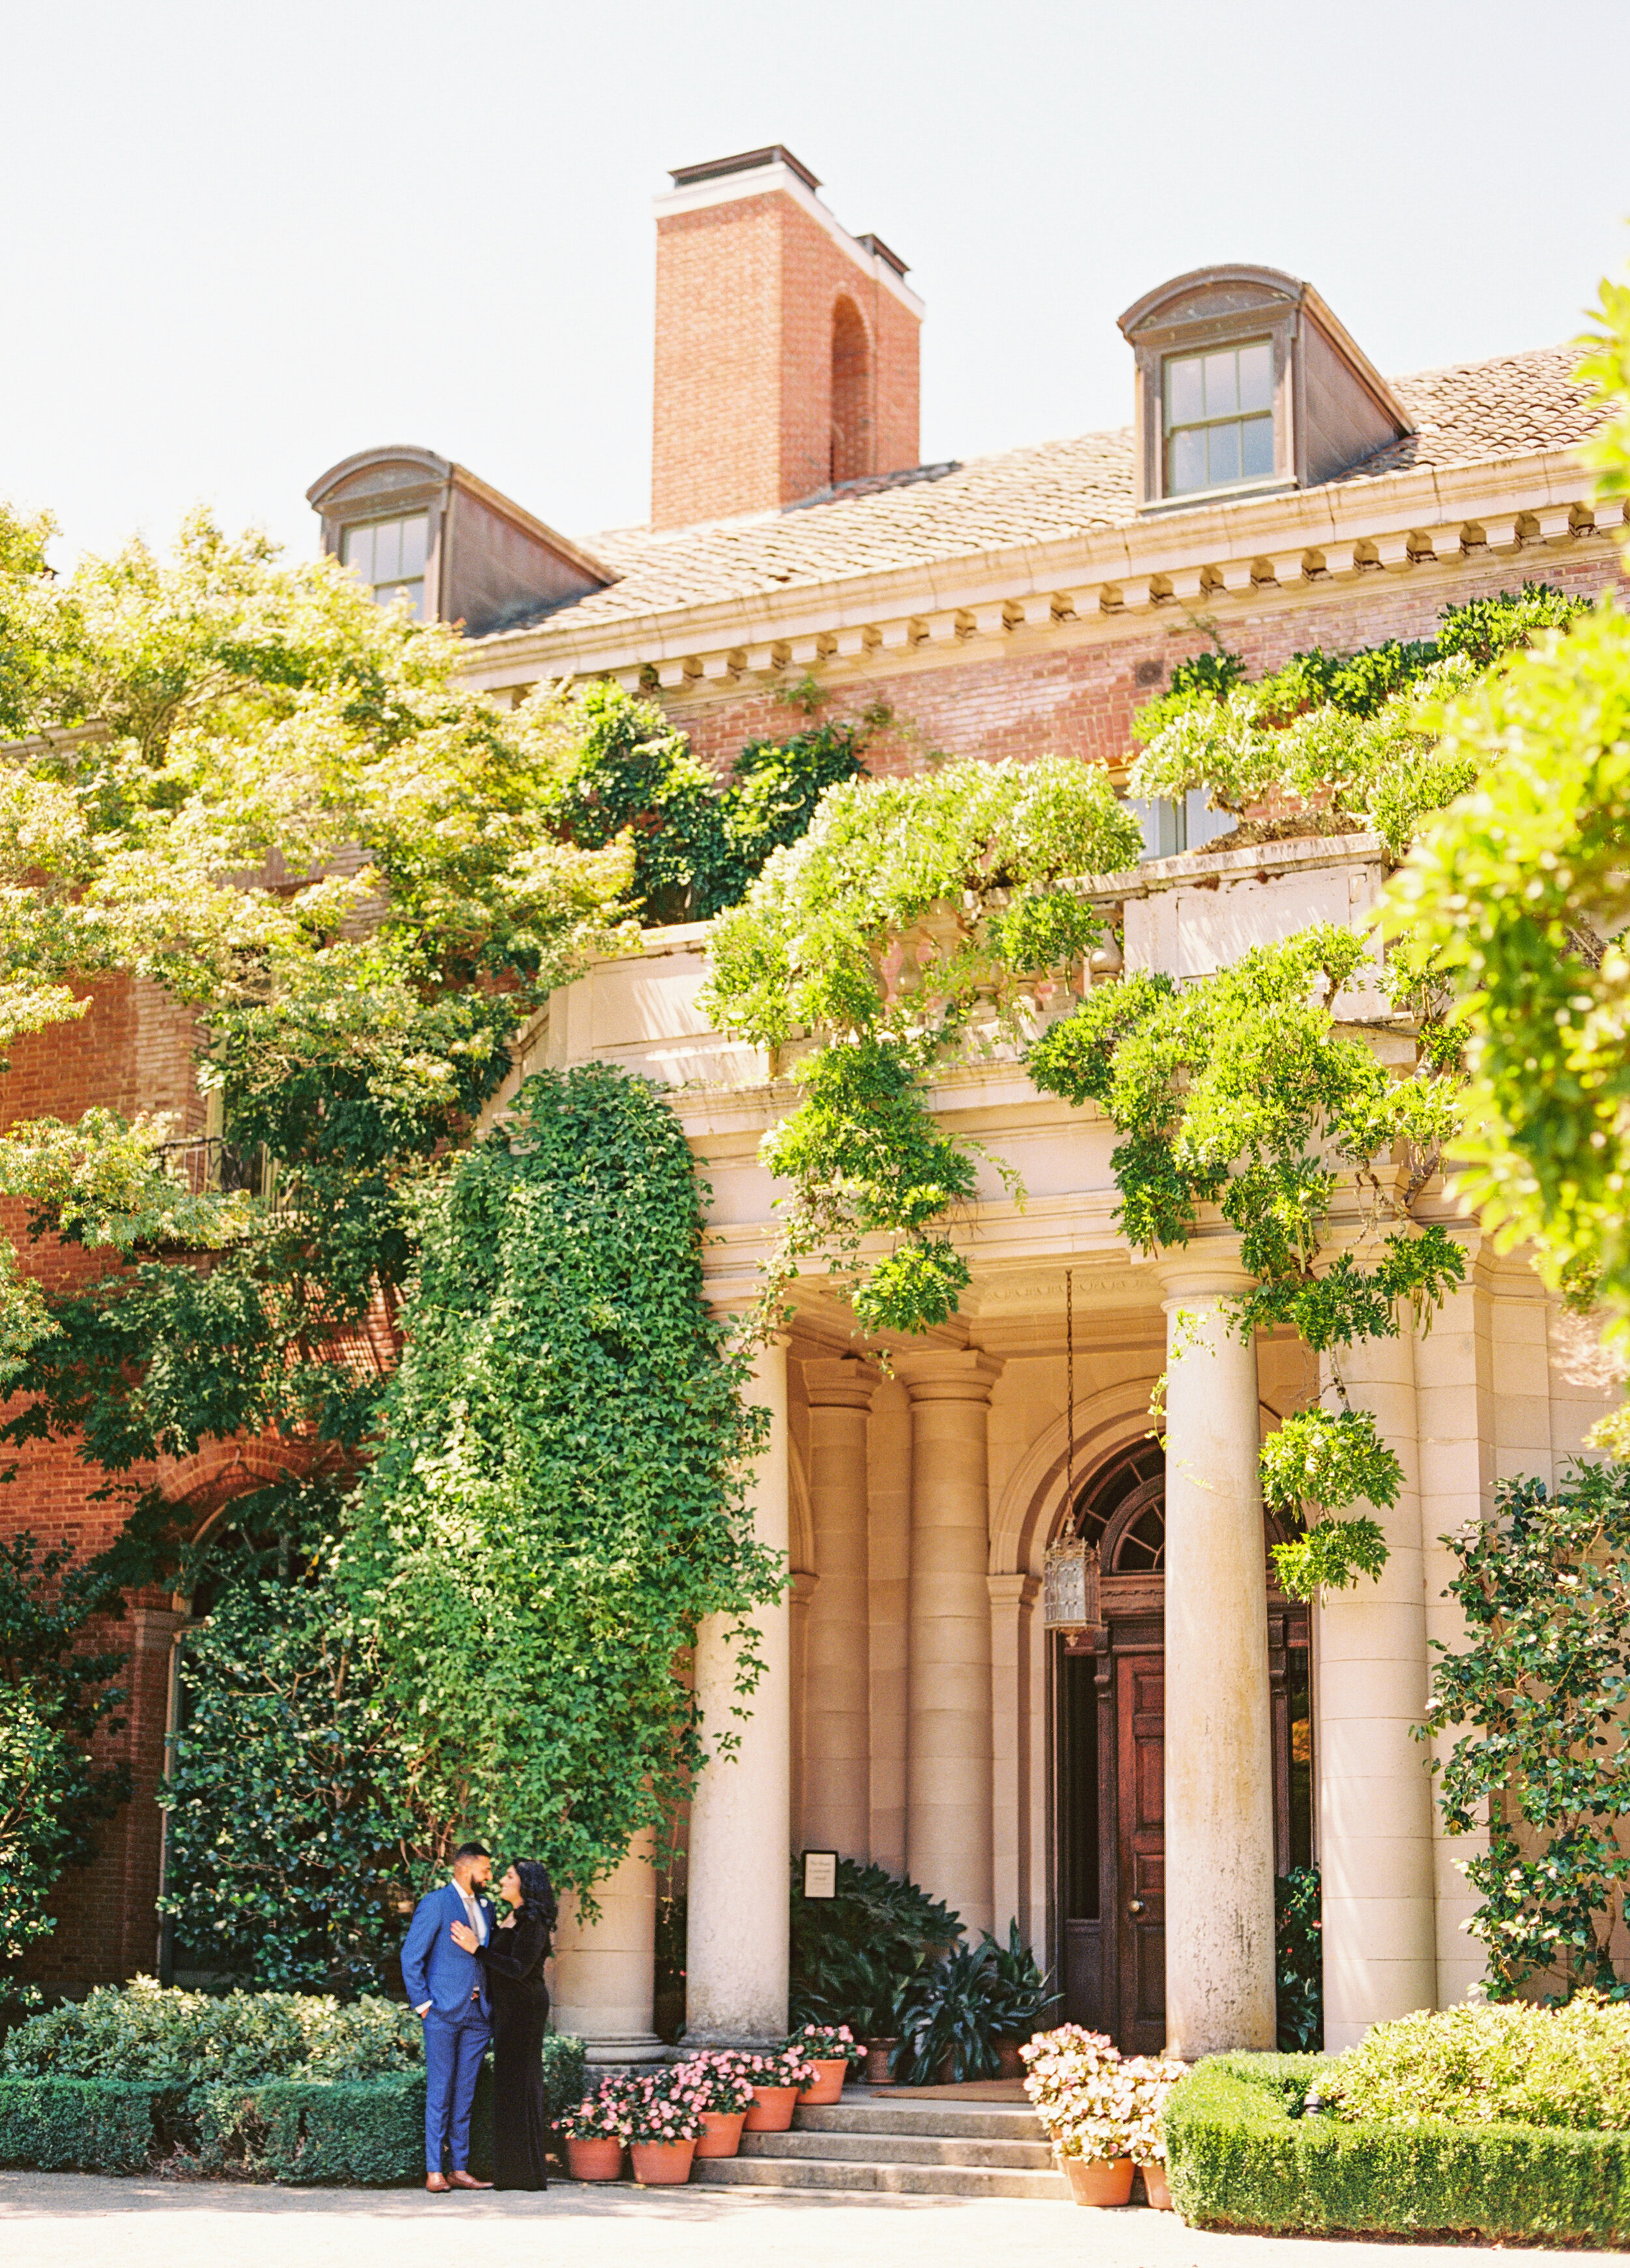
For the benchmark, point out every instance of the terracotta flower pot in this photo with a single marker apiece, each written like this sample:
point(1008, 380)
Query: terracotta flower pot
point(1154, 2189)
point(878, 2056)
point(773, 2110)
point(1007, 2063)
point(828, 2083)
point(596, 2160)
point(661, 2161)
point(723, 2135)
point(1100, 2181)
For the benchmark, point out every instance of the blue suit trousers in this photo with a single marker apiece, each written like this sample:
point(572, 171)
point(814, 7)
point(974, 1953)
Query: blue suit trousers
point(454, 2048)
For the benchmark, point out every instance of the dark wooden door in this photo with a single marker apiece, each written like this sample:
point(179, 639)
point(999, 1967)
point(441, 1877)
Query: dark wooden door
point(1141, 1853)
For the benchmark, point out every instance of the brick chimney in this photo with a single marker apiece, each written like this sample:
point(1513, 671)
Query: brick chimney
point(786, 350)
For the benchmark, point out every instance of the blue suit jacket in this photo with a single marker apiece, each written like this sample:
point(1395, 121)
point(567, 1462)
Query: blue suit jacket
point(433, 1968)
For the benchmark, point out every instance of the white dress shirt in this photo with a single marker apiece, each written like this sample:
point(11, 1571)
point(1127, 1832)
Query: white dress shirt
point(473, 1913)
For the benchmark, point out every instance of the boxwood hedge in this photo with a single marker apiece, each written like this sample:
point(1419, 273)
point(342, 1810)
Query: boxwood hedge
point(81, 2125)
point(363, 2133)
point(1237, 2159)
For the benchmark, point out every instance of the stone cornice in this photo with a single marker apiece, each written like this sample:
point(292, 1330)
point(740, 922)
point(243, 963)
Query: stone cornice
point(1285, 546)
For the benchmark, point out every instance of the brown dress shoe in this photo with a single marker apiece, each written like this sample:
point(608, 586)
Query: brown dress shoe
point(437, 2184)
point(465, 2181)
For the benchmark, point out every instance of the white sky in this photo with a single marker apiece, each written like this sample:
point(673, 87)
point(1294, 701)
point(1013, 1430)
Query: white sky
point(242, 241)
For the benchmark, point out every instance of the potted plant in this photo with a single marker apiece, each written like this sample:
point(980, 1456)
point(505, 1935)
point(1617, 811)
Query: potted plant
point(1103, 2111)
point(882, 1990)
point(595, 2133)
point(665, 2123)
point(835, 2052)
point(728, 2097)
point(1155, 2076)
point(1018, 1996)
point(775, 2079)
point(946, 2019)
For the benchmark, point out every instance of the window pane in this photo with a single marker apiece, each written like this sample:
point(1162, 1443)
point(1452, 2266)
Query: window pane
point(358, 552)
point(1222, 390)
point(413, 534)
point(1225, 454)
point(415, 595)
point(1256, 376)
point(1185, 398)
point(387, 550)
point(1188, 460)
point(1257, 455)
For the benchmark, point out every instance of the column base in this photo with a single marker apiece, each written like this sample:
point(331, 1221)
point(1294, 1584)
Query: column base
point(626, 2048)
point(748, 2042)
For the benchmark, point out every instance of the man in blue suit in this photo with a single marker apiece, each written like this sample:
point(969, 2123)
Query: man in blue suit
point(448, 1989)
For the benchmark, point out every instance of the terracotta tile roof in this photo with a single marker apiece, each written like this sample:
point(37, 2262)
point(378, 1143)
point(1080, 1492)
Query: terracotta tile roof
point(1466, 413)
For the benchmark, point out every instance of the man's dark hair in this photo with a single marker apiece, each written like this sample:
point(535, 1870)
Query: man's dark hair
point(471, 1850)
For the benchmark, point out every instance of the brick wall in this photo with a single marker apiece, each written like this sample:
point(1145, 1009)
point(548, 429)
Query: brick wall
point(1073, 692)
point(747, 301)
point(133, 1052)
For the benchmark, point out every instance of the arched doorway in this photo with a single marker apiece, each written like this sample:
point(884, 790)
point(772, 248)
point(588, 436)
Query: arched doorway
point(1109, 1758)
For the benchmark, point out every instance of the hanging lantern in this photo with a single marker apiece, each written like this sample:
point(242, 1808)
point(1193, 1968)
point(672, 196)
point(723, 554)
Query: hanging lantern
point(1070, 1585)
point(1070, 1570)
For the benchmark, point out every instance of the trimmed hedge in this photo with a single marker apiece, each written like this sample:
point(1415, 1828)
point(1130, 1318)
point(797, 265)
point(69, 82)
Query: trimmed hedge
point(82, 2125)
point(1237, 2159)
point(366, 2133)
point(363, 2133)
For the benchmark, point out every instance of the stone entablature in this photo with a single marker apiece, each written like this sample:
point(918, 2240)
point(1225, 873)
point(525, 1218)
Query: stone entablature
point(1534, 509)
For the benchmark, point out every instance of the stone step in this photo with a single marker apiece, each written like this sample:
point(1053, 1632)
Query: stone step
point(884, 2176)
point(995, 2122)
point(1032, 2156)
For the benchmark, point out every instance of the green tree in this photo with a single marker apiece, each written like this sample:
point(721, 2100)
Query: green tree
point(1539, 1697)
point(57, 1695)
point(291, 1844)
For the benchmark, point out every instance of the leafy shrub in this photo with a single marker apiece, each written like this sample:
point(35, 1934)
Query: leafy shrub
point(274, 2087)
point(181, 2040)
point(852, 1954)
point(1240, 2155)
point(1299, 1959)
point(1472, 2066)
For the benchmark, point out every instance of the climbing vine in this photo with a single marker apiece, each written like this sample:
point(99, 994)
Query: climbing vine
point(559, 1498)
point(1241, 1092)
point(917, 918)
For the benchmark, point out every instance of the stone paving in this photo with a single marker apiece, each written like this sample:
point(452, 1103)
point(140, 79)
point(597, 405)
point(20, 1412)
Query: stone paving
point(151, 2223)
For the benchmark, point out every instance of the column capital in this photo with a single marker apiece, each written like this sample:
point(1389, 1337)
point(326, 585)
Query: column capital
point(1207, 1270)
point(1019, 1590)
point(802, 1587)
point(841, 1382)
point(948, 1374)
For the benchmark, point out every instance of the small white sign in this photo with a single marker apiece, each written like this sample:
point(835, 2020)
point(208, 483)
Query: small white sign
point(820, 1874)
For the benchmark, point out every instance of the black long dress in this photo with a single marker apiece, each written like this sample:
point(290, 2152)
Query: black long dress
point(513, 1960)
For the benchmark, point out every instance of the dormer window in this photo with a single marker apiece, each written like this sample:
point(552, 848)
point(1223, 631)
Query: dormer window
point(1246, 382)
point(1219, 418)
point(389, 557)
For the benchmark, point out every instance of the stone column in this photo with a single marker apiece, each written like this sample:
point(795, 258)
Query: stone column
point(949, 1760)
point(1013, 1608)
point(604, 1971)
point(740, 1814)
point(1376, 1853)
point(804, 1587)
point(1218, 1752)
point(1455, 1403)
point(837, 1717)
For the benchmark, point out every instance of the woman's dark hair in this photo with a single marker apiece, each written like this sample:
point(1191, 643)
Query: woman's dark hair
point(538, 1892)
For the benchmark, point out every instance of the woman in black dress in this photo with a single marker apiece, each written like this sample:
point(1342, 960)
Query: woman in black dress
point(514, 1959)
